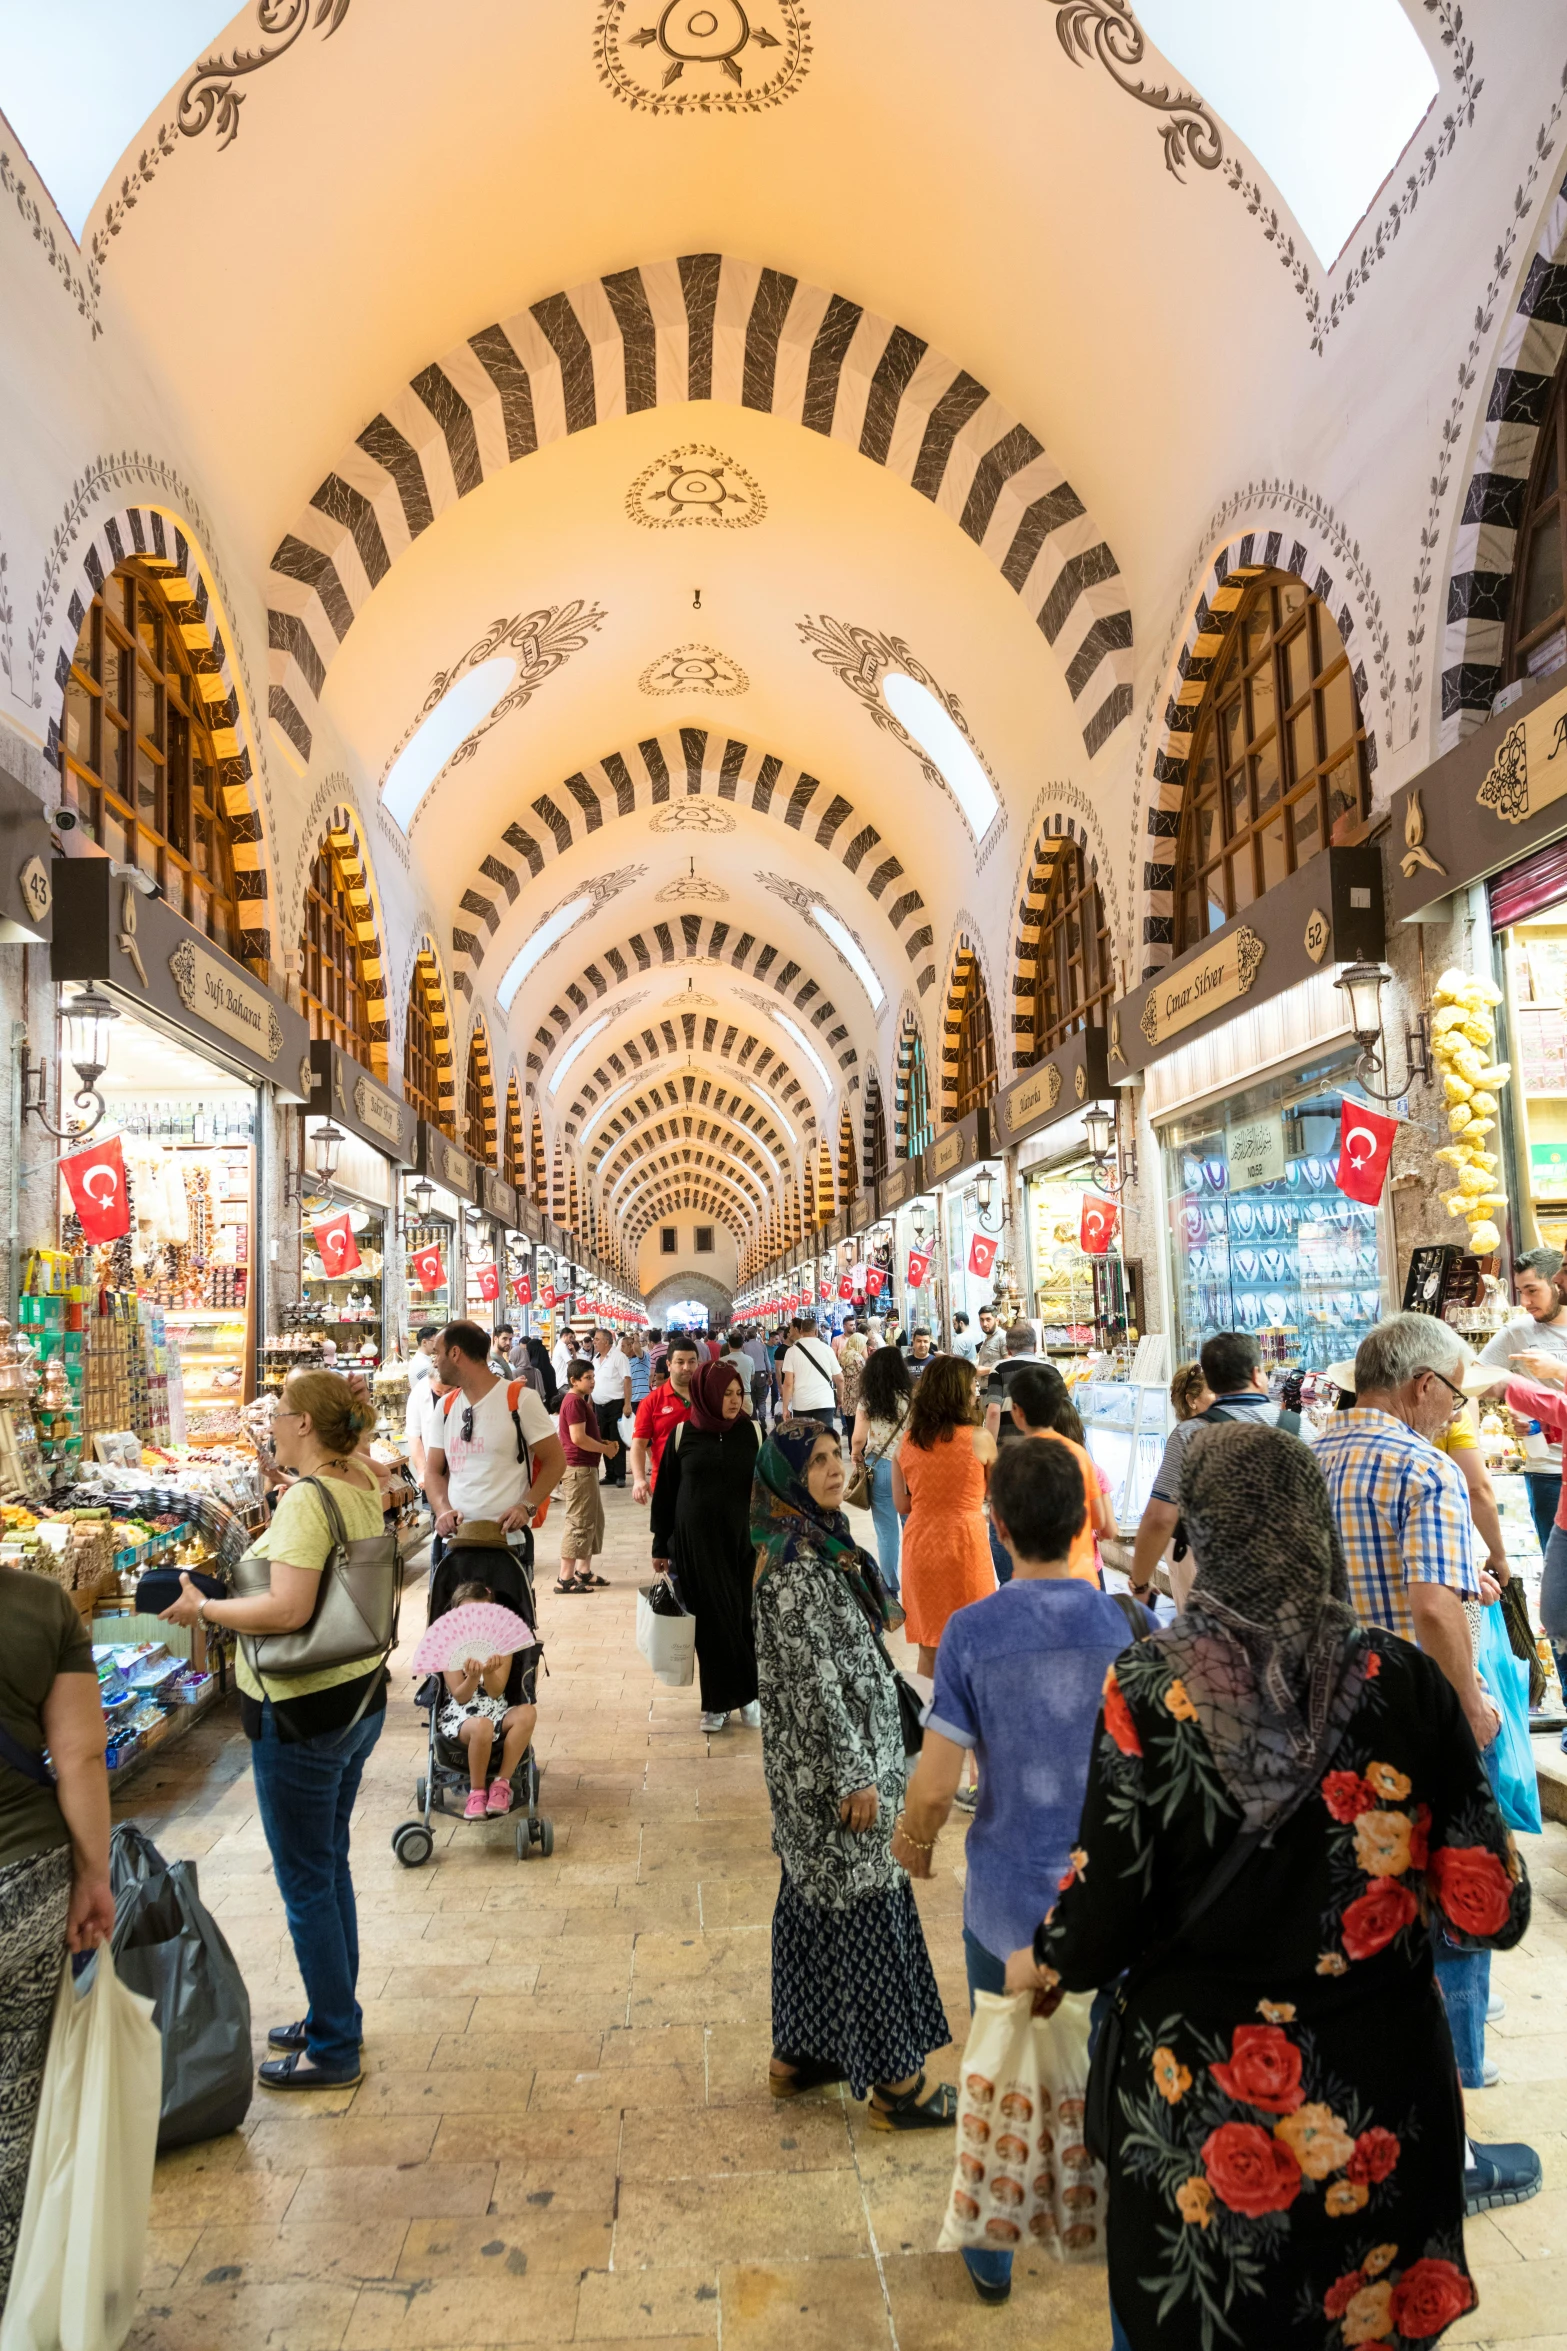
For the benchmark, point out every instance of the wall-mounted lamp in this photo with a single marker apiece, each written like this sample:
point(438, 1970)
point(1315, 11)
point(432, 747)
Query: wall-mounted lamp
point(86, 1018)
point(1362, 984)
point(326, 1143)
point(421, 1198)
point(984, 1195)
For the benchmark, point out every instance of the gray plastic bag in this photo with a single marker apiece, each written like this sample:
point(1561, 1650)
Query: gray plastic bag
point(167, 1946)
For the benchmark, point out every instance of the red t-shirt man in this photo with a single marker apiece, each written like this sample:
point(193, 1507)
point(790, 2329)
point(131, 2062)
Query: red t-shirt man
point(660, 1412)
point(577, 1412)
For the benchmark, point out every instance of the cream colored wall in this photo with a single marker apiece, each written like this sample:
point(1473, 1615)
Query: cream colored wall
point(653, 1267)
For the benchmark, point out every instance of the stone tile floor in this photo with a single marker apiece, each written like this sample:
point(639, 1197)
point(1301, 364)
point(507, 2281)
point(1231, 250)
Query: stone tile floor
point(563, 2134)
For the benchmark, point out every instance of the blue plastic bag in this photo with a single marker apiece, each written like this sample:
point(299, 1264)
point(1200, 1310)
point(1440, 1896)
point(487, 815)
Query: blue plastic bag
point(1506, 1677)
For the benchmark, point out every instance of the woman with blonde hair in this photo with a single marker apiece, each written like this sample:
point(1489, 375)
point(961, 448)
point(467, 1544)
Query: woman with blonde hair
point(311, 1733)
point(938, 1485)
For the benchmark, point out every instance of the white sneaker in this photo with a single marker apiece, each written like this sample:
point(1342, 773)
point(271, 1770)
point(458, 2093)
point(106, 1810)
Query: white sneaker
point(1497, 2009)
point(751, 1715)
point(713, 1722)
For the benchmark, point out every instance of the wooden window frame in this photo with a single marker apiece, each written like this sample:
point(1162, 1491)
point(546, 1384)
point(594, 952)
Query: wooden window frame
point(1538, 648)
point(1074, 972)
point(331, 982)
point(419, 1050)
point(919, 1124)
point(976, 1077)
point(476, 1123)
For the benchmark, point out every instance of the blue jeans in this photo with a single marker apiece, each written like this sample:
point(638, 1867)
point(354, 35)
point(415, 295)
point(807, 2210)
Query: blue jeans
point(1000, 1557)
point(1544, 1494)
point(1464, 1978)
point(888, 1525)
point(986, 1973)
point(305, 1793)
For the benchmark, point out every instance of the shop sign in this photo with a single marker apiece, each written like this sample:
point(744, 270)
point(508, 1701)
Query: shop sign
point(1075, 1073)
point(442, 1162)
point(1254, 1153)
point(214, 992)
point(360, 1102)
point(959, 1147)
point(1219, 976)
point(26, 855)
point(1500, 793)
point(901, 1183)
point(1529, 771)
point(497, 1196)
point(530, 1219)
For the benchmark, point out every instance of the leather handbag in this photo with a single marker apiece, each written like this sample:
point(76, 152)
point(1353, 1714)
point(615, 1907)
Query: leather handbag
point(356, 1606)
point(857, 1493)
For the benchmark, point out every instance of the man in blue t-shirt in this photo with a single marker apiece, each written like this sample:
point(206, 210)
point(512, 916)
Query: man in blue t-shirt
point(1232, 1366)
point(1019, 1680)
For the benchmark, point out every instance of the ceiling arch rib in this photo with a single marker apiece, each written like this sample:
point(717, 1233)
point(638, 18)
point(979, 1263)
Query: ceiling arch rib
point(639, 1099)
point(704, 327)
point(665, 772)
point(685, 1192)
point(693, 1125)
point(744, 1169)
point(690, 1167)
point(753, 1058)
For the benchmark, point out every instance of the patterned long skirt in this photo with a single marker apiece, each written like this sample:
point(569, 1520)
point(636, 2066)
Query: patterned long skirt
point(35, 1898)
point(855, 1987)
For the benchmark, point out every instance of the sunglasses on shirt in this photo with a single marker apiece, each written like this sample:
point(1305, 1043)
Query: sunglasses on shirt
point(467, 1424)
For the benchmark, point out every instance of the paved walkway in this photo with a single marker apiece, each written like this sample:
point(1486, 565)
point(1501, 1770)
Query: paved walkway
point(563, 2134)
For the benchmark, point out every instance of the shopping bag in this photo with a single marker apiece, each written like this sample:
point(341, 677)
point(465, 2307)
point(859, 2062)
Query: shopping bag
point(89, 2184)
point(168, 1947)
point(667, 1640)
point(1506, 1677)
point(1022, 2172)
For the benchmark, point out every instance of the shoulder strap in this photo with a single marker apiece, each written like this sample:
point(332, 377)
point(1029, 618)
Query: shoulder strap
point(829, 1372)
point(1222, 1875)
point(334, 1517)
point(1132, 1613)
point(23, 1760)
point(524, 1451)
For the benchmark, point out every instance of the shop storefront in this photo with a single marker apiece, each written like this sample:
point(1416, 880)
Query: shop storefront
point(908, 1204)
point(357, 1139)
point(1063, 1261)
point(970, 1185)
point(496, 1204)
point(435, 1196)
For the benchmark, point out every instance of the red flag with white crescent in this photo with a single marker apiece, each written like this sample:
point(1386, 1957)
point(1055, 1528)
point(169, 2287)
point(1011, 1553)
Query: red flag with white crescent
point(1097, 1225)
point(1365, 1146)
point(845, 1286)
point(428, 1270)
point(96, 1180)
point(981, 1255)
point(547, 1297)
point(489, 1281)
point(522, 1289)
point(919, 1267)
point(335, 1240)
point(875, 1280)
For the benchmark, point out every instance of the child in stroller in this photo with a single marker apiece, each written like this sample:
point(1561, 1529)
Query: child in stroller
point(482, 1564)
point(475, 1712)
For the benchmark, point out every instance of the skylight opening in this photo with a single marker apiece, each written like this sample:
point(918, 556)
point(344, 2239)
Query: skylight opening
point(1327, 97)
point(549, 934)
point(578, 1049)
point(449, 724)
point(945, 745)
point(806, 1047)
point(852, 952)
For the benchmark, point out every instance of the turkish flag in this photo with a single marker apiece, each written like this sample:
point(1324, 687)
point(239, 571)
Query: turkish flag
point(1097, 1224)
point(919, 1267)
point(489, 1281)
point(97, 1186)
point(875, 1281)
point(845, 1286)
point(1365, 1145)
point(826, 1290)
point(981, 1255)
point(335, 1240)
point(522, 1290)
point(547, 1296)
point(429, 1272)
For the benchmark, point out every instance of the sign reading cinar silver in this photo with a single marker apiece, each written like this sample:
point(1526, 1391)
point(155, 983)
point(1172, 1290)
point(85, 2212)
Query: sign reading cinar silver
point(1202, 985)
point(214, 992)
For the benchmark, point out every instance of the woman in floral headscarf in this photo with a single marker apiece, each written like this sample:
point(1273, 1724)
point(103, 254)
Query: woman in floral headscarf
point(854, 1996)
point(701, 1510)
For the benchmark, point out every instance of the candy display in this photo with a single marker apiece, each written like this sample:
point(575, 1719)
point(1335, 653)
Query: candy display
point(1463, 1046)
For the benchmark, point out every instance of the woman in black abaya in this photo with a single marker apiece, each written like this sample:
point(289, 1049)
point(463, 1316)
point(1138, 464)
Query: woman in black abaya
point(702, 1530)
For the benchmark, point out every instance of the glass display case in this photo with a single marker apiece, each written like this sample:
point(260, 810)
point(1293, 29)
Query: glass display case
point(1262, 1239)
point(1125, 1426)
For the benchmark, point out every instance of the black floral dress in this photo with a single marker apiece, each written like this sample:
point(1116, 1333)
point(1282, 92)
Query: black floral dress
point(1287, 2162)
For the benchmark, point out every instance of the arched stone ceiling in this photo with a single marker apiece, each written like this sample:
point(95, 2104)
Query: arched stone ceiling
point(635, 1053)
point(639, 1098)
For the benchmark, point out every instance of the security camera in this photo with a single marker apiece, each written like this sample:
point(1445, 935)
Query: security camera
point(66, 820)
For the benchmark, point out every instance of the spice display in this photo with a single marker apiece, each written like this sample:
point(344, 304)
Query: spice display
point(1463, 1046)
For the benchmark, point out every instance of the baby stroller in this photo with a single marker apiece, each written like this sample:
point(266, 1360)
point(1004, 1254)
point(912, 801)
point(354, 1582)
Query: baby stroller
point(509, 1575)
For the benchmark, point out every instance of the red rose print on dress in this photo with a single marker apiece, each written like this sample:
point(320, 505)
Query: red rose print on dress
point(1428, 2297)
point(1347, 1795)
point(1249, 2170)
point(1118, 1717)
point(1371, 1922)
point(1376, 2154)
point(1263, 2069)
point(1473, 1888)
point(1420, 1837)
point(1342, 2293)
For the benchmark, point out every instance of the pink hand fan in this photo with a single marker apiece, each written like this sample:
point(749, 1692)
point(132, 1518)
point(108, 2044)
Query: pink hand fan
point(479, 1629)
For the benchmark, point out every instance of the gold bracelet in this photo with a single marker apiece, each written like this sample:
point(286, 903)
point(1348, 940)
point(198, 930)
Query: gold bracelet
point(919, 1846)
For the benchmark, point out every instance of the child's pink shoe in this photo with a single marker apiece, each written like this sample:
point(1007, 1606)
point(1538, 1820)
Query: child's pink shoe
point(500, 1796)
point(474, 1808)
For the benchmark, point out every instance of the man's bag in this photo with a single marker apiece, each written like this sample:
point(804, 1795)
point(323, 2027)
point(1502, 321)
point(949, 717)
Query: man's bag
point(168, 1947)
point(89, 2184)
point(1022, 2173)
point(666, 1635)
point(1507, 1678)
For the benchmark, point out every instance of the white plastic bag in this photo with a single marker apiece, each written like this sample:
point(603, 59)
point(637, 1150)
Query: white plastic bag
point(89, 2184)
point(1022, 2171)
point(667, 1642)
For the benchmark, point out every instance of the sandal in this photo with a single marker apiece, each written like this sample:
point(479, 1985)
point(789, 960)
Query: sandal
point(598, 1582)
point(568, 1584)
point(805, 2073)
point(902, 2111)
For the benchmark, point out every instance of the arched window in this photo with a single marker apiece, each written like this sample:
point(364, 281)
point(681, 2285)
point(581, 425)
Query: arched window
point(139, 765)
point(1074, 978)
point(479, 1101)
point(975, 1077)
point(424, 1046)
point(1278, 760)
point(875, 1137)
point(331, 980)
point(513, 1156)
point(1537, 610)
point(848, 1171)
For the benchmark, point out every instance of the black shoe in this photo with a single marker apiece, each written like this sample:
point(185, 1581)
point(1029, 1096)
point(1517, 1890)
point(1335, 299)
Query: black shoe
point(1503, 2174)
point(294, 2072)
point(292, 2036)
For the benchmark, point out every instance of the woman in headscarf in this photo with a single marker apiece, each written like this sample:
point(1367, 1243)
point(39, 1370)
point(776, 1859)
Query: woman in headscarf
point(854, 1995)
point(701, 1531)
point(852, 1350)
point(1279, 1798)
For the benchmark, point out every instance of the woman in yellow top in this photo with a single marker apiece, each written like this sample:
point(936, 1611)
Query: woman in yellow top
point(312, 1733)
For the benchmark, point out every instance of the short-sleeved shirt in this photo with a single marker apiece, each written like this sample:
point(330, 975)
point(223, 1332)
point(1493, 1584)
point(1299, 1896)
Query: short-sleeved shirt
point(43, 1637)
point(811, 1365)
point(1528, 1337)
point(657, 1415)
point(998, 1389)
point(966, 1345)
point(1402, 1510)
point(1019, 1678)
point(484, 1478)
point(611, 1370)
point(301, 1534)
point(423, 1407)
point(1249, 1405)
point(576, 1412)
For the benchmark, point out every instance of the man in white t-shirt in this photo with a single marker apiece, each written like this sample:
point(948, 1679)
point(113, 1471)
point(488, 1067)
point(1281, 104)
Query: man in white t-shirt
point(611, 1399)
point(418, 1419)
point(811, 1380)
point(475, 1466)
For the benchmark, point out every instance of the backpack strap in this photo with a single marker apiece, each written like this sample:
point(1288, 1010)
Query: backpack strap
point(524, 1453)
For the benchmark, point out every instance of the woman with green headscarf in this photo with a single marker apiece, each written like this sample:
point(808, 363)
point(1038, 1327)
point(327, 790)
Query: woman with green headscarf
point(854, 1994)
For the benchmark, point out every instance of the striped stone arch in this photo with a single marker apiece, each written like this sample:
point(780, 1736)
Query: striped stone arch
point(911, 1039)
point(848, 1158)
point(683, 1194)
point(873, 1147)
point(687, 763)
point(692, 937)
point(481, 1069)
point(1030, 914)
point(514, 1144)
point(163, 546)
point(716, 1166)
point(1485, 544)
point(536, 1183)
point(967, 968)
point(425, 971)
point(658, 1133)
point(644, 1047)
point(343, 836)
point(705, 327)
point(694, 1094)
point(1223, 589)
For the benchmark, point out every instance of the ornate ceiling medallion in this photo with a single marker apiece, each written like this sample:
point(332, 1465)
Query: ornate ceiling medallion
point(695, 485)
point(691, 816)
point(694, 669)
point(702, 56)
point(691, 889)
point(689, 1001)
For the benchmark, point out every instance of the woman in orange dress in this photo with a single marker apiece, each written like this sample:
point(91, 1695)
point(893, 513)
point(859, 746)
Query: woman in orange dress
point(938, 1485)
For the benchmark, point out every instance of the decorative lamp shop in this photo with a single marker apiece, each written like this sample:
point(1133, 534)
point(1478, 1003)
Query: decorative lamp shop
point(354, 1143)
point(1061, 1119)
